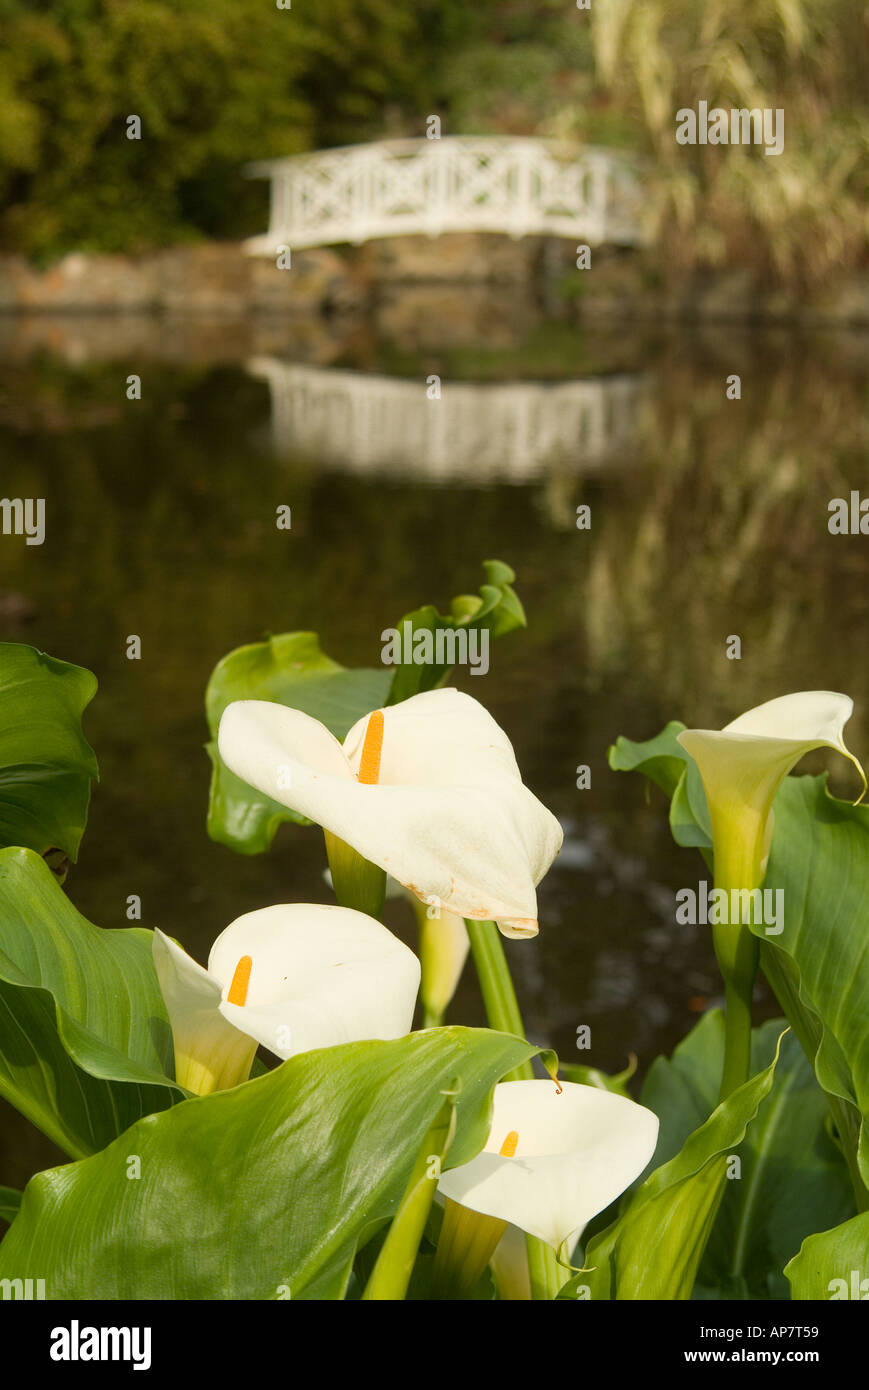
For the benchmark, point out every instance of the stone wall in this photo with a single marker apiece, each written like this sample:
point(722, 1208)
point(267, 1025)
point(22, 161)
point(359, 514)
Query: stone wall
point(456, 258)
point(218, 280)
point(212, 279)
point(629, 286)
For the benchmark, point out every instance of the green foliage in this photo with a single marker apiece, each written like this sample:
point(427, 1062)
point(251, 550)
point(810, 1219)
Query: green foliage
point(314, 1180)
point(661, 759)
point(833, 1264)
point(46, 765)
point(329, 1142)
point(666, 763)
point(496, 610)
point(654, 1247)
point(10, 1201)
point(792, 1178)
point(216, 83)
point(799, 214)
point(85, 1044)
point(820, 859)
point(392, 1273)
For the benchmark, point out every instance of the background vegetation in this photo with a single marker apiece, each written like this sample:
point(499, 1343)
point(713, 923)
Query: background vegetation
point(219, 82)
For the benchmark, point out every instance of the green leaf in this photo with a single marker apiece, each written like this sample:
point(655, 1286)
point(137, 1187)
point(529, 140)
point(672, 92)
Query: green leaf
point(666, 763)
point(661, 759)
point(85, 1043)
point(10, 1201)
point(289, 669)
point(833, 1264)
point(820, 862)
point(496, 610)
point(653, 1249)
point(46, 765)
point(392, 1273)
point(264, 1191)
point(689, 814)
point(793, 1179)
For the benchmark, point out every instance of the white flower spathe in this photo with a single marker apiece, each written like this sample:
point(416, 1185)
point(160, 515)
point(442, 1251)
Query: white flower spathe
point(574, 1152)
point(293, 978)
point(744, 764)
point(445, 811)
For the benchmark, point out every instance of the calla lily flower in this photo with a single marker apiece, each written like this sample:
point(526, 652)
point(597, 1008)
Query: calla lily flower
point(744, 764)
point(427, 789)
point(553, 1160)
point(290, 977)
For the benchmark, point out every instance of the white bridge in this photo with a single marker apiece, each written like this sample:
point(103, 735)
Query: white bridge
point(460, 183)
point(511, 432)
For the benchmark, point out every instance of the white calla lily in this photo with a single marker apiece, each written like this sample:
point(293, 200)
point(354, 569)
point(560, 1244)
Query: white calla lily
point(427, 789)
point(744, 764)
point(742, 767)
point(553, 1160)
point(290, 977)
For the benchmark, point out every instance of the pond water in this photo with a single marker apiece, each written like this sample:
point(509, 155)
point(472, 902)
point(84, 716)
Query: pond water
point(708, 519)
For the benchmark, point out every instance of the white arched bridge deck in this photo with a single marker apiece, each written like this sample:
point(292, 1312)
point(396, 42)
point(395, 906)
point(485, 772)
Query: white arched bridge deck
point(522, 186)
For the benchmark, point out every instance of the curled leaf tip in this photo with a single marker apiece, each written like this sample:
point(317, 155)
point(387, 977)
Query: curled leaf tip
point(551, 1063)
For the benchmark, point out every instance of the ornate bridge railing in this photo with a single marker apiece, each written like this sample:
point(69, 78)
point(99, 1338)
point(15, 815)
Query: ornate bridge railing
point(521, 186)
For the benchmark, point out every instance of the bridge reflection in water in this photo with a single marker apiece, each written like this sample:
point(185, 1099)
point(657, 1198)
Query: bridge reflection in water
point(505, 432)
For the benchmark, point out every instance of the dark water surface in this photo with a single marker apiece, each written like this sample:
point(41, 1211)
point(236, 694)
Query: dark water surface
point(709, 518)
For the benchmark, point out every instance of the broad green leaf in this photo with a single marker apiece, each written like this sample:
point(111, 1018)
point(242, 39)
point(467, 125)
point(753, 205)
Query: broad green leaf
point(653, 1248)
point(46, 764)
point(496, 610)
point(264, 1191)
point(820, 862)
point(391, 1275)
point(661, 759)
point(666, 763)
point(793, 1179)
point(85, 1043)
point(10, 1201)
point(833, 1264)
point(689, 813)
point(289, 669)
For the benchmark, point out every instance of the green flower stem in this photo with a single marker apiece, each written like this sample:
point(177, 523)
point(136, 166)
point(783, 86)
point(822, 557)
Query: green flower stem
point(545, 1273)
point(391, 1274)
point(356, 882)
point(737, 951)
point(737, 861)
point(502, 1012)
point(737, 1040)
point(496, 986)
